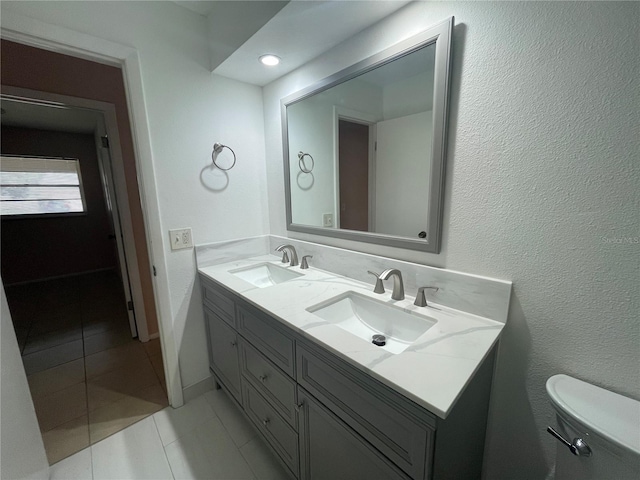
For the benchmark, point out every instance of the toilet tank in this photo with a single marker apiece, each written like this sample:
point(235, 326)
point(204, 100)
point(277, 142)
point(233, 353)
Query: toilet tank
point(607, 422)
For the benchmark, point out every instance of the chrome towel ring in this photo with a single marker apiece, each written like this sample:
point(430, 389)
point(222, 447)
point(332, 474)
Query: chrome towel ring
point(301, 164)
point(217, 148)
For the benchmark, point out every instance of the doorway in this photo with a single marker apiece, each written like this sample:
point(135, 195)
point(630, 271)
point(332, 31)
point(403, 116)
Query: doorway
point(353, 161)
point(67, 277)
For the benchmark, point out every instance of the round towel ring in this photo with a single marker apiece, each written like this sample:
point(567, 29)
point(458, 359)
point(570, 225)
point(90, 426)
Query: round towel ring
point(301, 156)
point(217, 148)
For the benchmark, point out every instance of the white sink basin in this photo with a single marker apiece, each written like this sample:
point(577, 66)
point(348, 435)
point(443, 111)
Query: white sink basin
point(265, 274)
point(365, 317)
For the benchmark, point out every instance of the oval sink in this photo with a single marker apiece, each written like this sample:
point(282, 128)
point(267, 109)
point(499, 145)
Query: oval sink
point(365, 317)
point(265, 274)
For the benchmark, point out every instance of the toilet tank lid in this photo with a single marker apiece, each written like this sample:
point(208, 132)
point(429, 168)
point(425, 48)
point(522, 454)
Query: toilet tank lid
point(612, 416)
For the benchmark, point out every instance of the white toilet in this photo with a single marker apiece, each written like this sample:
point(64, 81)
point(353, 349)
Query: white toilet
point(598, 431)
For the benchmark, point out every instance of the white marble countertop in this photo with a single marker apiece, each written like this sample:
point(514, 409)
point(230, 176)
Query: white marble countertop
point(432, 372)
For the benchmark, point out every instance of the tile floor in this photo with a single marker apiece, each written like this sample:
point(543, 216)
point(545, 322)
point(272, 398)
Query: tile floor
point(87, 376)
point(208, 438)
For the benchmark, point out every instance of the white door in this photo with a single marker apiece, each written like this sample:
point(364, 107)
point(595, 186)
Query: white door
point(106, 172)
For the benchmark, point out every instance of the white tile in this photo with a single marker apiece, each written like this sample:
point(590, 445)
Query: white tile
point(262, 461)
point(134, 453)
point(208, 452)
point(229, 414)
point(174, 423)
point(75, 467)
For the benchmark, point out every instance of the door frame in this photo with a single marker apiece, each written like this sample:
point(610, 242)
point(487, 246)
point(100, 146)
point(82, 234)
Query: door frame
point(363, 118)
point(28, 31)
point(116, 163)
point(108, 185)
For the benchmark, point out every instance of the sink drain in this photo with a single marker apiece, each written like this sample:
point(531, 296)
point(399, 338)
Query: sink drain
point(379, 340)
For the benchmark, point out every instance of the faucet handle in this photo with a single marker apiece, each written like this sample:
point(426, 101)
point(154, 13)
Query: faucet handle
point(421, 299)
point(304, 264)
point(379, 288)
point(285, 257)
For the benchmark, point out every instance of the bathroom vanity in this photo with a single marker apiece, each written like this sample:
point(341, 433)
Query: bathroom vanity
point(332, 405)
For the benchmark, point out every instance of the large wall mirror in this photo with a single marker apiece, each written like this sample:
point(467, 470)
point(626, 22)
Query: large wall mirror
point(364, 149)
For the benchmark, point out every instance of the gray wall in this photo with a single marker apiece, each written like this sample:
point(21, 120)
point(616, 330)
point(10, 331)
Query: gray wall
point(542, 186)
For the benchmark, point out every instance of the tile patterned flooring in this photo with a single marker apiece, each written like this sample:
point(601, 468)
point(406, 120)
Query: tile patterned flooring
point(208, 438)
point(88, 378)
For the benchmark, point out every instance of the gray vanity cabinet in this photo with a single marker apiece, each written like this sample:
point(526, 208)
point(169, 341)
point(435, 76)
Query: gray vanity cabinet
point(326, 419)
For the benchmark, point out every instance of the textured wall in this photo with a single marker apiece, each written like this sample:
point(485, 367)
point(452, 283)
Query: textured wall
point(543, 182)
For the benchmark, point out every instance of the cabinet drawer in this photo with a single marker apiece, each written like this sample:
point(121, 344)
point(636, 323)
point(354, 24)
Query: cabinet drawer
point(274, 385)
point(361, 403)
point(223, 355)
point(282, 438)
point(216, 300)
point(268, 337)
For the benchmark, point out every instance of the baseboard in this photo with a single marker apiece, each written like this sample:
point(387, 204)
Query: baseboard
point(197, 389)
point(154, 335)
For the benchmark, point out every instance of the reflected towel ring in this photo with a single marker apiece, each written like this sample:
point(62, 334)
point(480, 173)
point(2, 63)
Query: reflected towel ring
point(217, 148)
point(301, 156)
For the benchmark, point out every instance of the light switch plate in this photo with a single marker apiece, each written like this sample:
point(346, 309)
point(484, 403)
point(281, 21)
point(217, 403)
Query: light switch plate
point(327, 219)
point(180, 238)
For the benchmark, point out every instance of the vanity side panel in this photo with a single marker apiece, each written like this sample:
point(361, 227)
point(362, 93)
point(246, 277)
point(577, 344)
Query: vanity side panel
point(462, 434)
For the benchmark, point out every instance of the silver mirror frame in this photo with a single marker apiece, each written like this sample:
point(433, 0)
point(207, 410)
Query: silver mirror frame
point(440, 35)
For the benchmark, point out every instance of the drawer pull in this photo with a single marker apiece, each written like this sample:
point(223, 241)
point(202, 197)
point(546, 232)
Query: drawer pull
point(265, 422)
point(263, 378)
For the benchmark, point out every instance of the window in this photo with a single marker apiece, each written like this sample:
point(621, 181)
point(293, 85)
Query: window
point(37, 186)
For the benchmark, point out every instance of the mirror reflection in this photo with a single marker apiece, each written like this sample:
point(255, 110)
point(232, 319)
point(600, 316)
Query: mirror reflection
point(360, 152)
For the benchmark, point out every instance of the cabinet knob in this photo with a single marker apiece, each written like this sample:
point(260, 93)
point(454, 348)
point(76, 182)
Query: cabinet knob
point(233, 343)
point(299, 406)
point(263, 378)
point(265, 422)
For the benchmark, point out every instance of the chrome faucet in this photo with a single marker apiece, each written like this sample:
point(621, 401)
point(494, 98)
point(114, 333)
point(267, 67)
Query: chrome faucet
point(292, 254)
point(398, 284)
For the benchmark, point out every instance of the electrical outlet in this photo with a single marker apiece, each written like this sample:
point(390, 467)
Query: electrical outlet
point(327, 219)
point(180, 238)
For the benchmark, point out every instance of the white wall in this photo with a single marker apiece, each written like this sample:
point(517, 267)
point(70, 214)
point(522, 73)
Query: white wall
point(189, 109)
point(542, 178)
point(404, 146)
point(22, 452)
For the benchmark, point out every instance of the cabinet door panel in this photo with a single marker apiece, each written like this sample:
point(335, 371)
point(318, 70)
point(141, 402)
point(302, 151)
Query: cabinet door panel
point(372, 415)
point(330, 450)
point(223, 341)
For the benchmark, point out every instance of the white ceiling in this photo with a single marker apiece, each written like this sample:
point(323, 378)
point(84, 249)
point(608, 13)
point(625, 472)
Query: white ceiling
point(300, 32)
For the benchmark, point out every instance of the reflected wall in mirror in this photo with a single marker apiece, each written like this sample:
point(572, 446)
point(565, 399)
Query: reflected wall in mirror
point(364, 149)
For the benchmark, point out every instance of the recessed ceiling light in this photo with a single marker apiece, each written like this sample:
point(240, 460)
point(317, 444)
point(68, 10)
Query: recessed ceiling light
point(270, 60)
